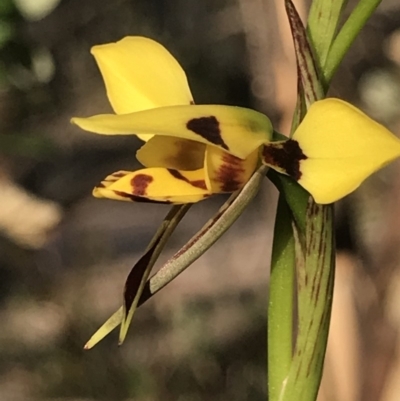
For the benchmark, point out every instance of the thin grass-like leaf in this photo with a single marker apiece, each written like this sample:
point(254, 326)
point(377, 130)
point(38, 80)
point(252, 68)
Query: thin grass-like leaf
point(323, 21)
point(113, 322)
point(139, 274)
point(346, 36)
point(207, 236)
point(307, 67)
point(195, 247)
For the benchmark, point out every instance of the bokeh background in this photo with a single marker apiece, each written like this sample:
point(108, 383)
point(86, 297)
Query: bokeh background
point(64, 255)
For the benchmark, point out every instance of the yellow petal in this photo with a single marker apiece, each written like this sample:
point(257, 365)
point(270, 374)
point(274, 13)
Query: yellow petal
point(228, 173)
point(237, 130)
point(173, 153)
point(155, 184)
point(141, 74)
point(342, 146)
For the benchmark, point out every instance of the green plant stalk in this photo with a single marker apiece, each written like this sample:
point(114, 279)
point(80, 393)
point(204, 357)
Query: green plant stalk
point(325, 13)
point(315, 288)
point(315, 264)
point(351, 28)
point(280, 307)
point(281, 384)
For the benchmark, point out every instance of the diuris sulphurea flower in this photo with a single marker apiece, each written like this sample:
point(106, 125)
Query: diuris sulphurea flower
point(194, 151)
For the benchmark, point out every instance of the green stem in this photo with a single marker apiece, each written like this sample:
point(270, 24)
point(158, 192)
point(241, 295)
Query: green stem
point(345, 38)
point(325, 13)
point(310, 246)
point(280, 306)
point(315, 288)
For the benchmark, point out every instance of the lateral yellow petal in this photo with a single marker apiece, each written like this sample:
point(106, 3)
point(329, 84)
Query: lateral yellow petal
point(226, 172)
point(141, 74)
point(173, 153)
point(237, 130)
point(101, 190)
point(343, 146)
point(155, 185)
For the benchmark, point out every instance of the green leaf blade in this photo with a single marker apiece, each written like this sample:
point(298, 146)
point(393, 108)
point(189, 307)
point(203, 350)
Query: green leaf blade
point(323, 21)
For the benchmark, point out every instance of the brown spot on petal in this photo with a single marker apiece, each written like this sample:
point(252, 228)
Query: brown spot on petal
point(229, 173)
point(140, 183)
point(199, 184)
point(207, 128)
point(196, 183)
point(285, 156)
point(189, 155)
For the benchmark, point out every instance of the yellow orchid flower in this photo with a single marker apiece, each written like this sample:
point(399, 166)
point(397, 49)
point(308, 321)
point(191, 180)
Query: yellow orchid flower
point(194, 151)
point(191, 151)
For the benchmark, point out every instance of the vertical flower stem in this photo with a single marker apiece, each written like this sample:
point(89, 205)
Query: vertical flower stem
point(280, 308)
point(315, 291)
point(282, 378)
point(310, 245)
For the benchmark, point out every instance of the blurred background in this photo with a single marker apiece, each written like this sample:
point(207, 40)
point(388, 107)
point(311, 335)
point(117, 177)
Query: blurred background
point(64, 255)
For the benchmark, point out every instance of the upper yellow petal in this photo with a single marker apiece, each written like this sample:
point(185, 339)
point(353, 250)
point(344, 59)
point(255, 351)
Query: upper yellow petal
point(342, 146)
point(237, 130)
point(141, 74)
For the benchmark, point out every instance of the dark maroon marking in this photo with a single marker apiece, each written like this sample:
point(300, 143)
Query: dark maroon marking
point(229, 173)
point(135, 198)
point(207, 128)
point(196, 183)
point(192, 102)
point(140, 183)
point(135, 276)
point(101, 185)
point(303, 50)
point(146, 294)
point(286, 156)
point(199, 184)
point(177, 174)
